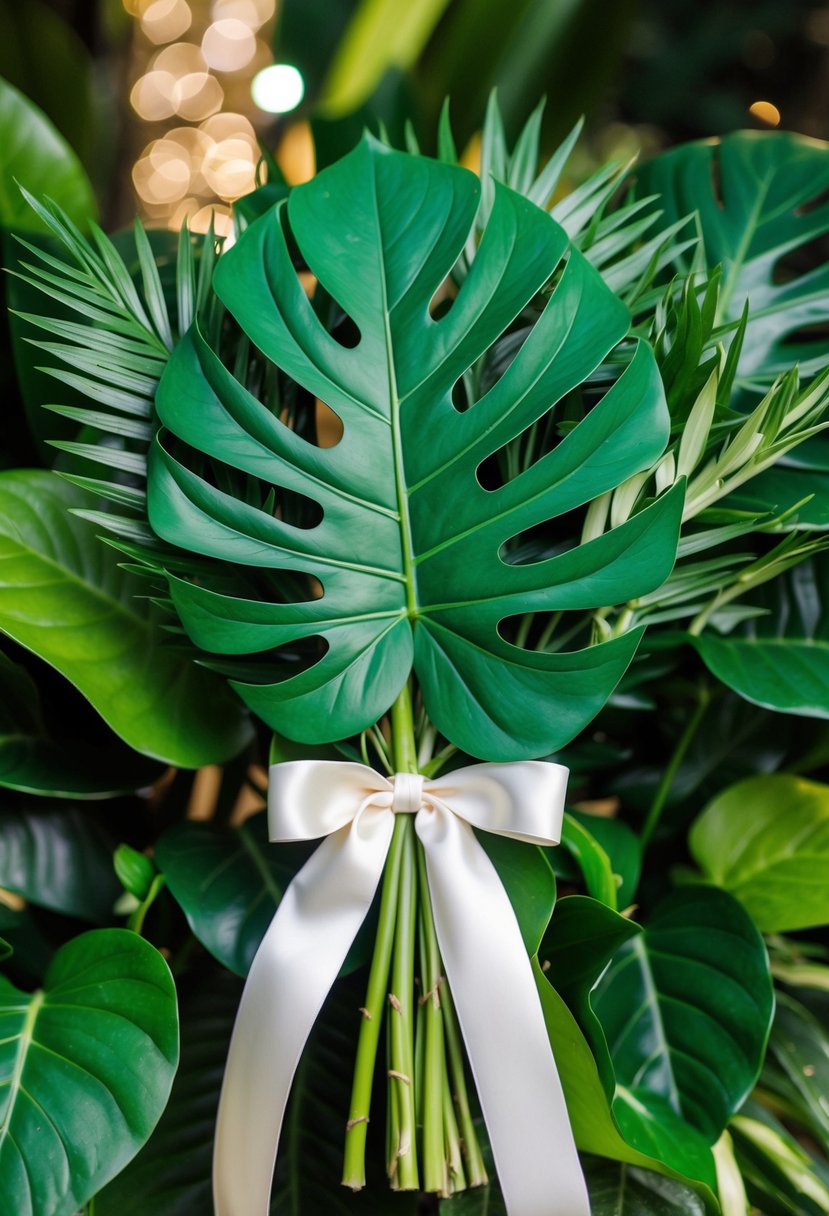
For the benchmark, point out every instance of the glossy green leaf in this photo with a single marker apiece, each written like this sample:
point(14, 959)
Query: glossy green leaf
point(617, 1189)
point(36, 156)
point(135, 871)
point(766, 840)
point(228, 882)
point(409, 548)
point(759, 200)
point(60, 756)
point(782, 1177)
point(64, 597)
point(59, 857)
point(799, 1045)
point(595, 1127)
point(86, 1067)
point(779, 659)
point(686, 1008)
point(591, 858)
point(529, 881)
point(580, 941)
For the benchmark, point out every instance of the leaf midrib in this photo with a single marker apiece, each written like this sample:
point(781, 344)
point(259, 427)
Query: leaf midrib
point(26, 1036)
point(404, 521)
point(652, 996)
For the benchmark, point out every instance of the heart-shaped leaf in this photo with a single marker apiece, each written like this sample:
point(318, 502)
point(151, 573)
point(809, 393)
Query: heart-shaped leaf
point(59, 857)
point(86, 1067)
point(686, 1007)
point(409, 549)
point(779, 659)
point(758, 197)
point(676, 1151)
point(64, 597)
point(228, 882)
point(766, 840)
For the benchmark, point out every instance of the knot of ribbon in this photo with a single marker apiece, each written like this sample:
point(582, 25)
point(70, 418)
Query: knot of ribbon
point(485, 962)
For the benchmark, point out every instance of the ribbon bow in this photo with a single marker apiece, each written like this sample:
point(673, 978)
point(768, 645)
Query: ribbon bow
point(484, 957)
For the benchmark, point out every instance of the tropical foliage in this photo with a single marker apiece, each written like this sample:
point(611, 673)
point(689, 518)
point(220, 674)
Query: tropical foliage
point(541, 461)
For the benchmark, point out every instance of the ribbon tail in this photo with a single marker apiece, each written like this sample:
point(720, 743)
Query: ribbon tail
point(502, 1024)
point(293, 971)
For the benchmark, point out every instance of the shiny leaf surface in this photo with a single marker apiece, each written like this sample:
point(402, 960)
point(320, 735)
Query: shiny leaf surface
point(686, 1007)
point(780, 659)
point(766, 841)
point(228, 882)
point(86, 1067)
point(37, 157)
point(408, 550)
point(59, 857)
point(64, 597)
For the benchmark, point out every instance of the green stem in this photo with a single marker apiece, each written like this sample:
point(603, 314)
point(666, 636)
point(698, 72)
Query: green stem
point(402, 999)
point(476, 1170)
point(354, 1161)
point(664, 788)
point(434, 1073)
point(136, 920)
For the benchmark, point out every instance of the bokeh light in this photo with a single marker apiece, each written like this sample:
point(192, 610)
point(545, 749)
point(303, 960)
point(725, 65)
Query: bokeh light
point(165, 20)
point(278, 89)
point(766, 111)
point(228, 45)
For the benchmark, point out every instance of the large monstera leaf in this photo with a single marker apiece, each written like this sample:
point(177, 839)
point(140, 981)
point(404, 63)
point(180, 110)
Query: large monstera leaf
point(759, 199)
point(408, 552)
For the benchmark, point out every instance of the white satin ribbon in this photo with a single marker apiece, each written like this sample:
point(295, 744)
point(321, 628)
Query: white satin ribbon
point(484, 957)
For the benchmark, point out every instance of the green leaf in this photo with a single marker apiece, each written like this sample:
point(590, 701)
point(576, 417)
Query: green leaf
point(686, 1008)
point(64, 597)
point(621, 846)
point(617, 1189)
point(228, 882)
point(135, 871)
point(529, 881)
point(35, 156)
point(580, 941)
point(779, 659)
point(59, 857)
point(409, 551)
point(381, 35)
point(758, 197)
point(766, 841)
point(60, 756)
point(780, 488)
point(800, 1046)
point(591, 859)
point(594, 1127)
point(782, 1178)
point(87, 1064)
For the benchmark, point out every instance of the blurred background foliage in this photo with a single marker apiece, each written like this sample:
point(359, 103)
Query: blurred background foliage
point(646, 73)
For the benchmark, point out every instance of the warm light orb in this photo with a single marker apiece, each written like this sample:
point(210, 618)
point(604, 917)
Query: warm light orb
point(228, 45)
point(766, 111)
point(164, 20)
point(278, 89)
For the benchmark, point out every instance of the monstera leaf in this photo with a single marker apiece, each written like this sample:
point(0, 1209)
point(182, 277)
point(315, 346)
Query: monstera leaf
point(759, 199)
point(409, 550)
